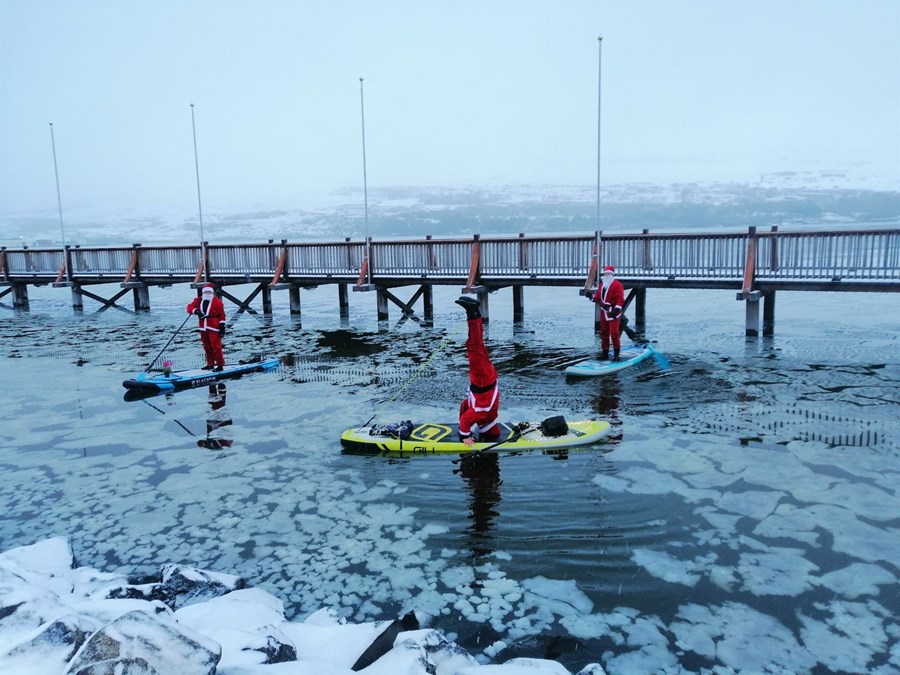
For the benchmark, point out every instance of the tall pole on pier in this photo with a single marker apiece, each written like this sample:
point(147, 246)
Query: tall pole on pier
point(197, 171)
point(62, 230)
point(599, 64)
point(362, 111)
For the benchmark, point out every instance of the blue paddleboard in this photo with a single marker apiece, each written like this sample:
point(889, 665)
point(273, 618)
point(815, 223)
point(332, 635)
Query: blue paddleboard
point(629, 356)
point(158, 383)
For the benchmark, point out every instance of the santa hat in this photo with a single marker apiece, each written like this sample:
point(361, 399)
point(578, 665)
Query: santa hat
point(610, 269)
point(208, 288)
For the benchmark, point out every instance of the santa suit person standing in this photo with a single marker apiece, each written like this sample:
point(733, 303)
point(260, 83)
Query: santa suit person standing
point(211, 313)
point(478, 411)
point(610, 295)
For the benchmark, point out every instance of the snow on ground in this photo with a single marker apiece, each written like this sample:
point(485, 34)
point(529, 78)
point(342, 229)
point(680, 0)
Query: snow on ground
point(58, 618)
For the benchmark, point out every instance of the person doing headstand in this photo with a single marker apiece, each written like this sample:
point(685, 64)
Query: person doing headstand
point(211, 312)
point(478, 411)
point(610, 295)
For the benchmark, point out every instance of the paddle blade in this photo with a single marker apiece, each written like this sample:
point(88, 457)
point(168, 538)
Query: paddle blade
point(661, 360)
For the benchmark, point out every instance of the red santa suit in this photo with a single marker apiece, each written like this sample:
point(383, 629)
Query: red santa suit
point(610, 295)
point(211, 313)
point(478, 411)
point(216, 420)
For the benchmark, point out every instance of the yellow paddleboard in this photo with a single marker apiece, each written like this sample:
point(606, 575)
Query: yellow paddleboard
point(433, 437)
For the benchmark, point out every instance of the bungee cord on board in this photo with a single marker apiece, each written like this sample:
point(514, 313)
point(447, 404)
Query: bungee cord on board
point(415, 375)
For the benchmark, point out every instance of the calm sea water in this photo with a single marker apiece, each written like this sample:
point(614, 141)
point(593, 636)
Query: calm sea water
point(744, 512)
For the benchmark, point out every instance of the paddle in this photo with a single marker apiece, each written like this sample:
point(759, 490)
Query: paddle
point(623, 324)
point(516, 435)
point(167, 344)
point(661, 360)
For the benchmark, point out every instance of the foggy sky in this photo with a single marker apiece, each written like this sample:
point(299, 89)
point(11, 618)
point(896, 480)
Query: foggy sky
point(456, 93)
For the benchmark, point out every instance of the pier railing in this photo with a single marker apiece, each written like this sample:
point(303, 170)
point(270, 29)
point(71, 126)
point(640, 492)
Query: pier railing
point(815, 260)
point(786, 259)
point(845, 256)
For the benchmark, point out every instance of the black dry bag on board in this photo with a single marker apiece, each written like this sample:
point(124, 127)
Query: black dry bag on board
point(554, 426)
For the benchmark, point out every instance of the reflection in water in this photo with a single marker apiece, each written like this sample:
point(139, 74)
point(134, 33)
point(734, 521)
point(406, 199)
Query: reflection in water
point(217, 420)
point(608, 397)
point(482, 474)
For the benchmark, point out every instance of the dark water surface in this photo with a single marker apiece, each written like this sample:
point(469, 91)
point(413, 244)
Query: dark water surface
point(744, 512)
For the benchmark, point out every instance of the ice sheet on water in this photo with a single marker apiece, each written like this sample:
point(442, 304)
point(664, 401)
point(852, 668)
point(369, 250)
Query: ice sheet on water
point(671, 569)
point(741, 638)
point(846, 636)
point(762, 503)
point(780, 571)
point(561, 597)
point(856, 580)
point(755, 504)
point(789, 498)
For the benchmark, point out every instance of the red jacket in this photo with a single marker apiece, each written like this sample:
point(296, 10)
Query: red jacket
point(211, 316)
point(611, 300)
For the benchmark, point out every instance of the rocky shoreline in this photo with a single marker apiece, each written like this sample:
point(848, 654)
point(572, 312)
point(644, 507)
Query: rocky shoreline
point(56, 617)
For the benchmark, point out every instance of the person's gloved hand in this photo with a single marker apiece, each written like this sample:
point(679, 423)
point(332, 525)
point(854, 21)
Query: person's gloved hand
point(221, 330)
point(589, 296)
point(197, 312)
point(615, 313)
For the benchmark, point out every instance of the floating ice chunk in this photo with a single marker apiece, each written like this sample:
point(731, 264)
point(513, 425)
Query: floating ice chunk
point(454, 577)
point(723, 577)
point(848, 638)
point(651, 659)
point(560, 597)
point(790, 522)
point(496, 588)
point(387, 514)
point(667, 568)
point(725, 522)
point(587, 626)
point(862, 498)
point(857, 579)
point(782, 571)
point(641, 480)
point(745, 639)
point(646, 632)
point(855, 537)
point(752, 503)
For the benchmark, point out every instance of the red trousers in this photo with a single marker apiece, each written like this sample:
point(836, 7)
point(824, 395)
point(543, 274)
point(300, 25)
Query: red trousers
point(609, 328)
point(212, 347)
point(482, 405)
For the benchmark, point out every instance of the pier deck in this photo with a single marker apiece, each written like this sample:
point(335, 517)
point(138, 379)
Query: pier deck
point(753, 264)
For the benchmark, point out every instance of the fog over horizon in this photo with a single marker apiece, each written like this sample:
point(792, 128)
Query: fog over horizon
point(458, 95)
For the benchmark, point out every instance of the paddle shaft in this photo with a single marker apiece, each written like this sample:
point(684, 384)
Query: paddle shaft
point(167, 344)
point(623, 324)
point(513, 437)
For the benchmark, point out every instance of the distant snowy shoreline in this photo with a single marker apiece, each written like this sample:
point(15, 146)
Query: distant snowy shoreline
point(786, 199)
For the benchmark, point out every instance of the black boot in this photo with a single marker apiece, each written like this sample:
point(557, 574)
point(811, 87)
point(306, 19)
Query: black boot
point(604, 356)
point(471, 306)
point(616, 355)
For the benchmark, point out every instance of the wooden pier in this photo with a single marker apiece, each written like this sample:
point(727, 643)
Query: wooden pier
point(754, 264)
